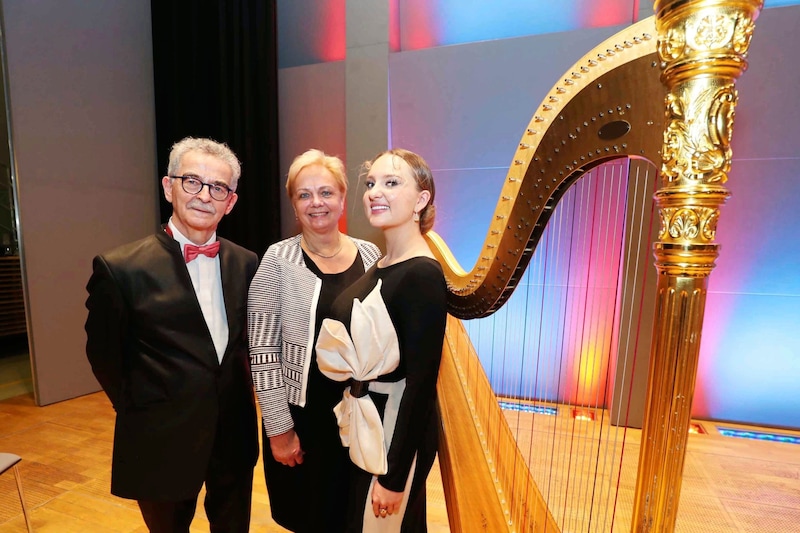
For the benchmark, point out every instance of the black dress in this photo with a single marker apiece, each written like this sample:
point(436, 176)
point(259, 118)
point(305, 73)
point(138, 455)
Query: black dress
point(414, 294)
point(311, 497)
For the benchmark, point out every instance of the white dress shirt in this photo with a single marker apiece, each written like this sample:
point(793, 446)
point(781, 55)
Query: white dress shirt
point(207, 282)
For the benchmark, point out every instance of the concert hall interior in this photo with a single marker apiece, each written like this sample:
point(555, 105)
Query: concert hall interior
point(565, 354)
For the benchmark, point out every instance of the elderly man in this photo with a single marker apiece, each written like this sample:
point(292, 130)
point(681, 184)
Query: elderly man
point(166, 339)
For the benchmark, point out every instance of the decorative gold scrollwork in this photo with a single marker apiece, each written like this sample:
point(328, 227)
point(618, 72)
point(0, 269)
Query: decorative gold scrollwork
point(742, 34)
point(672, 45)
point(682, 223)
point(709, 227)
point(720, 123)
point(689, 224)
point(697, 149)
point(710, 31)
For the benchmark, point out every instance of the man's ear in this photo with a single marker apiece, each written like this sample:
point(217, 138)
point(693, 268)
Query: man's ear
point(231, 202)
point(166, 184)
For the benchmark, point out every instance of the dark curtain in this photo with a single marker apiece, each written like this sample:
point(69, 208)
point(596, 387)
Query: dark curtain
point(215, 64)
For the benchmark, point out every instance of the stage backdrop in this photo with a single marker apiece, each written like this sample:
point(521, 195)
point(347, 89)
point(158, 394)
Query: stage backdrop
point(465, 106)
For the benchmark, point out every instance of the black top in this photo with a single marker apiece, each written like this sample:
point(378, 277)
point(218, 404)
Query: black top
point(322, 394)
point(309, 497)
point(415, 295)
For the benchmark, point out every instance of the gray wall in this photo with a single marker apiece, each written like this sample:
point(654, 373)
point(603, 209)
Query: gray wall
point(83, 133)
point(340, 106)
point(309, 118)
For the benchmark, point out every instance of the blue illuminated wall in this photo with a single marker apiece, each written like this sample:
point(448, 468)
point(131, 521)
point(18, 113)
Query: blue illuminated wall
point(426, 24)
point(431, 23)
point(750, 354)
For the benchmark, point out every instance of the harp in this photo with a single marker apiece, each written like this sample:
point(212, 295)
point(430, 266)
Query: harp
point(658, 95)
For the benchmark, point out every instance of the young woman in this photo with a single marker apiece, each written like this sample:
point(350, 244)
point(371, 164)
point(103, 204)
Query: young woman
point(384, 339)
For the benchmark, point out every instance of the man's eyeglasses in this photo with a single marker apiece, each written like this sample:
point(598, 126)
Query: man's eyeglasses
point(193, 185)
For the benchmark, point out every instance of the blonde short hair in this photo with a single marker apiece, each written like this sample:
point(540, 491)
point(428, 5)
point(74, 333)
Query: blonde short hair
point(316, 157)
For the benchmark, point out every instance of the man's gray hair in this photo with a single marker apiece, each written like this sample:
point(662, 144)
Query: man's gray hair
point(205, 146)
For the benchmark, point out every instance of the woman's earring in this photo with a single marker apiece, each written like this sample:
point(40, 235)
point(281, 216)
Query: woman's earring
point(416, 216)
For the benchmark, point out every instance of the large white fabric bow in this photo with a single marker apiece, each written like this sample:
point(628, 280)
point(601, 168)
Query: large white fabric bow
point(370, 350)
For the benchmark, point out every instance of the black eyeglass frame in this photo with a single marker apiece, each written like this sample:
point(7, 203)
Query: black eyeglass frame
point(214, 189)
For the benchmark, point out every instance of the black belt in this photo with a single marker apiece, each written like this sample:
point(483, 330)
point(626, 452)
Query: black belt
point(359, 389)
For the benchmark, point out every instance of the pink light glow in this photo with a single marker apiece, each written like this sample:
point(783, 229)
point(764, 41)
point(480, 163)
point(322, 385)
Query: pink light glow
point(419, 24)
point(394, 25)
point(600, 13)
point(332, 43)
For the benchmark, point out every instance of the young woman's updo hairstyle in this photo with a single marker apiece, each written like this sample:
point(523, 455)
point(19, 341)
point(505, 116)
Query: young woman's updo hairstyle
point(423, 177)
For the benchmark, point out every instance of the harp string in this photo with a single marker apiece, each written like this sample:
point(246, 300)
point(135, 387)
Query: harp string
point(560, 297)
point(614, 241)
point(645, 186)
point(588, 281)
point(595, 230)
point(595, 234)
point(577, 283)
point(536, 300)
point(574, 276)
point(604, 482)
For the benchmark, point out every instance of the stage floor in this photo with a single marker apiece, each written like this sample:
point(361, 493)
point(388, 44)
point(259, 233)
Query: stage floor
point(729, 484)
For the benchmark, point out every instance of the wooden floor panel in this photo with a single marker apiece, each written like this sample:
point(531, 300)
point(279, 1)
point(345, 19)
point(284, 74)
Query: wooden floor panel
point(729, 484)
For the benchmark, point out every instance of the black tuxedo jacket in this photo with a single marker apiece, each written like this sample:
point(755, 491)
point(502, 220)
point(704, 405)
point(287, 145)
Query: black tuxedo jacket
point(151, 351)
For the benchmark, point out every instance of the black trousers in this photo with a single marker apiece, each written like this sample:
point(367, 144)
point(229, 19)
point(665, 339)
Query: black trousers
point(227, 505)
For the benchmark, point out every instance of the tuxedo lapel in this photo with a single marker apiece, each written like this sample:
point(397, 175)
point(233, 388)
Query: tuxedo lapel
point(202, 345)
point(233, 280)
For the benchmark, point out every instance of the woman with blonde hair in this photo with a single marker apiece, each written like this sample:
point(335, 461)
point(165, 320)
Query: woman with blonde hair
point(296, 283)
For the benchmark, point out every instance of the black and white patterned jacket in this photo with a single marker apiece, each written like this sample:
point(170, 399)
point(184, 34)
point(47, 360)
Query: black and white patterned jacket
point(282, 306)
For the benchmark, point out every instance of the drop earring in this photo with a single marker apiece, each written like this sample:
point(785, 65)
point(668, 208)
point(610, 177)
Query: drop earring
point(416, 216)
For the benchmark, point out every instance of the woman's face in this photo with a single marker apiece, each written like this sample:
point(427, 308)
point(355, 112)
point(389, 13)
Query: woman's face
point(392, 195)
point(317, 199)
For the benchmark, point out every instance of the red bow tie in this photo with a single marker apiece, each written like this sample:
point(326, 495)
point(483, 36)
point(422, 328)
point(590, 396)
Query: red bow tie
point(191, 251)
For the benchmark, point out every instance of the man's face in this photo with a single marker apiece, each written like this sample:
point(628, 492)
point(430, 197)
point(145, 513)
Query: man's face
point(197, 215)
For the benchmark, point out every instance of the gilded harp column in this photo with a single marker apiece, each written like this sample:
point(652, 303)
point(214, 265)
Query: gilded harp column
point(701, 46)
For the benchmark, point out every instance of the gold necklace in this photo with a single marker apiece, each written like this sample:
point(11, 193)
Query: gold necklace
point(334, 254)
